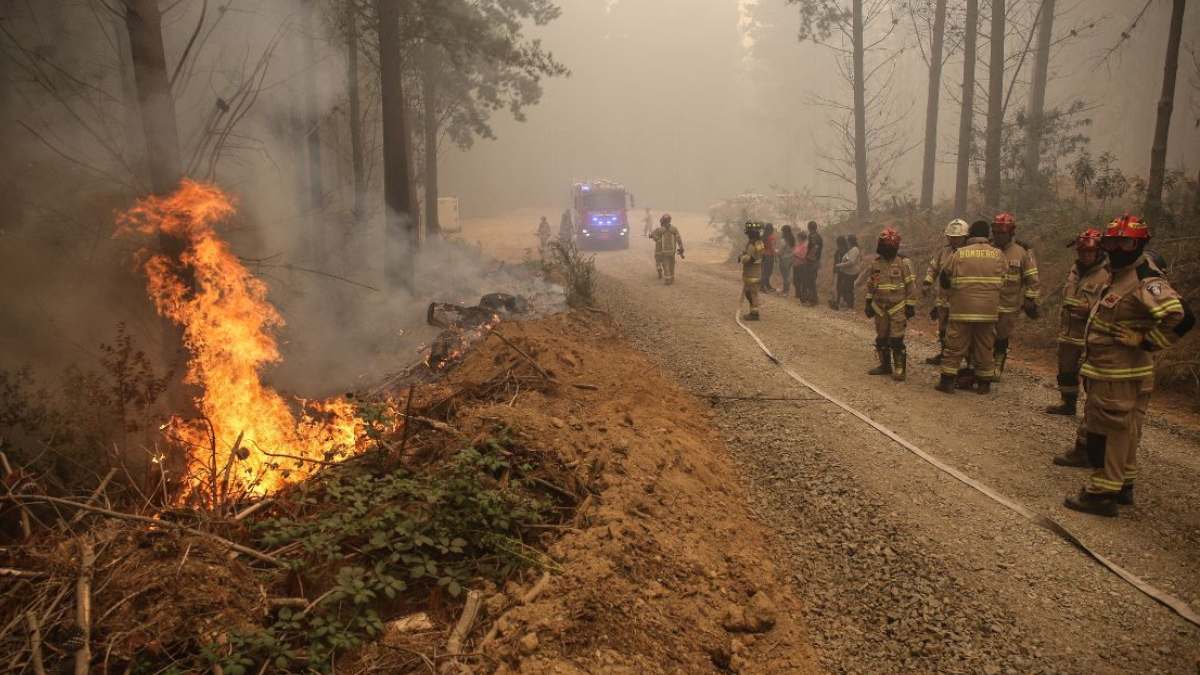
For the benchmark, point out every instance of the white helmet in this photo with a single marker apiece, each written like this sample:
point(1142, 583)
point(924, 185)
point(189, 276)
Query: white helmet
point(957, 228)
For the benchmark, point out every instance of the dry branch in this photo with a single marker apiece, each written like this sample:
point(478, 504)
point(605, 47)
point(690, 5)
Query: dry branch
point(465, 622)
point(26, 529)
point(35, 644)
point(160, 523)
point(83, 606)
point(95, 493)
point(527, 357)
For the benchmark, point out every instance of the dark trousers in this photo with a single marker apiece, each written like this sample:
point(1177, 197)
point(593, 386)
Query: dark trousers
point(768, 269)
point(798, 274)
point(844, 291)
point(808, 293)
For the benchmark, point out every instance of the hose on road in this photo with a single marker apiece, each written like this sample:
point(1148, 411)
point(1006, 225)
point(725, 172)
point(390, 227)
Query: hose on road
point(1175, 604)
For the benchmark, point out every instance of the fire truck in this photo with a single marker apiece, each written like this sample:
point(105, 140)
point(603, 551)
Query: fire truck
point(599, 209)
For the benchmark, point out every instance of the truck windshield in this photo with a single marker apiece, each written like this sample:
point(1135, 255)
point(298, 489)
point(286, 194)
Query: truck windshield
point(604, 200)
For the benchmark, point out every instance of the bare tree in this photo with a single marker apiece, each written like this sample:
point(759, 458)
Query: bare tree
point(400, 223)
point(350, 17)
point(929, 162)
point(312, 130)
point(995, 115)
point(1166, 104)
point(967, 117)
point(1037, 92)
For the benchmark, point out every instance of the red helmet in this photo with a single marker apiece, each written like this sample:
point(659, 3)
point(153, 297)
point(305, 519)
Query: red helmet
point(1004, 222)
point(666, 218)
point(1088, 240)
point(890, 237)
point(1129, 227)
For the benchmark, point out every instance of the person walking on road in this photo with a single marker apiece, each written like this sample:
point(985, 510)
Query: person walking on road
point(783, 257)
point(971, 279)
point(543, 234)
point(647, 224)
point(667, 244)
point(891, 302)
point(1085, 280)
point(846, 270)
point(956, 234)
point(1138, 314)
point(752, 259)
point(815, 248)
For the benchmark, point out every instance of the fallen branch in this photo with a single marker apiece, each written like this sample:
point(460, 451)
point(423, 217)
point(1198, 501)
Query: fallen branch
point(287, 602)
point(246, 512)
point(158, 523)
point(436, 425)
point(35, 644)
point(83, 606)
point(26, 529)
point(589, 387)
point(541, 371)
point(530, 595)
point(95, 493)
point(465, 622)
point(21, 574)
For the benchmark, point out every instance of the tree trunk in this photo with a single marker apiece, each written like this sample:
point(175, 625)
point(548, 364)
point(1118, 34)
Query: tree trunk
point(1037, 94)
point(157, 108)
point(995, 116)
point(931, 105)
point(966, 124)
point(134, 136)
point(312, 134)
point(1166, 105)
point(356, 142)
point(861, 188)
point(400, 229)
point(430, 122)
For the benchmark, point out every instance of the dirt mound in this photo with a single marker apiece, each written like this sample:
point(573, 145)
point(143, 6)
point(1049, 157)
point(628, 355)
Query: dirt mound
point(662, 568)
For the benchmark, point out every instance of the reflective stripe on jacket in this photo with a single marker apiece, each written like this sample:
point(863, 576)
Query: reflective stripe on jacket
point(891, 284)
point(1080, 293)
point(1020, 279)
point(976, 273)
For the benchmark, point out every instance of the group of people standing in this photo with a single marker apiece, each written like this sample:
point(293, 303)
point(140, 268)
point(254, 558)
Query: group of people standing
point(795, 256)
point(1118, 310)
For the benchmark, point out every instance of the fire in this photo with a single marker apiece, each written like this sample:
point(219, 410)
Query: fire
point(229, 331)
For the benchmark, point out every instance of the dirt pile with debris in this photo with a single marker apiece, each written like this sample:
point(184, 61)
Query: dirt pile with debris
point(660, 569)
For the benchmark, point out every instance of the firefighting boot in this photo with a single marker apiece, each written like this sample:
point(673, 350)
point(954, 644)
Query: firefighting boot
point(752, 315)
point(885, 362)
point(935, 360)
point(983, 387)
point(945, 384)
point(1125, 496)
point(1067, 407)
point(1075, 457)
point(1095, 503)
point(965, 379)
point(899, 363)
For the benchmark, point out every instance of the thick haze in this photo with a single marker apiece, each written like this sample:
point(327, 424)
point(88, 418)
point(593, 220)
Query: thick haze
point(690, 101)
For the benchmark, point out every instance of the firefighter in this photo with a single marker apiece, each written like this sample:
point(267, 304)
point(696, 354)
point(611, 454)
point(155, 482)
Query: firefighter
point(956, 235)
point(970, 281)
point(1086, 278)
point(1021, 289)
point(751, 259)
point(1137, 314)
point(543, 234)
point(891, 301)
point(667, 243)
point(566, 228)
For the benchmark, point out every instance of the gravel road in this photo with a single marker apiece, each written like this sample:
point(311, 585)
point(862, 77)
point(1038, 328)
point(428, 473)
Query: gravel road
point(901, 567)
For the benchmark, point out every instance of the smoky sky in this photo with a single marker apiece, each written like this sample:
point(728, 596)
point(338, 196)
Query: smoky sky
point(674, 98)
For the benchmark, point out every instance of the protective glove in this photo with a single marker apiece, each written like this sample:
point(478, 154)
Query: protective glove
point(870, 310)
point(934, 314)
point(1129, 337)
point(909, 311)
point(1031, 309)
point(681, 254)
point(944, 280)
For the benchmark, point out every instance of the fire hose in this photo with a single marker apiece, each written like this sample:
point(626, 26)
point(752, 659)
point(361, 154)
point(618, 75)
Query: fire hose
point(1170, 601)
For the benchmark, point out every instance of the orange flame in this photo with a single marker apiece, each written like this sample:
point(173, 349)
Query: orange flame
point(228, 328)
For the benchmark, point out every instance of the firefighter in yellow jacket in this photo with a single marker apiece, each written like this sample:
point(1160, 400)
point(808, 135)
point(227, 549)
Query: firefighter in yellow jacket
point(1138, 313)
point(667, 244)
point(956, 235)
point(1021, 290)
point(752, 259)
point(1087, 277)
point(891, 301)
point(971, 281)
